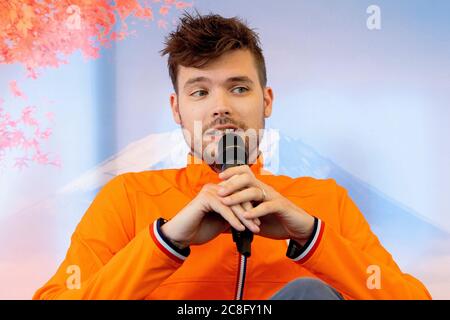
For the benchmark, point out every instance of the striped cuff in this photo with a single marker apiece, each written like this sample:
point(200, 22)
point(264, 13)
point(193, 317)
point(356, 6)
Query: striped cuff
point(165, 245)
point(299, 253)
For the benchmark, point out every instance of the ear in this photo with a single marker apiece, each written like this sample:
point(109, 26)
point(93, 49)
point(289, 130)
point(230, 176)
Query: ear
point(175, 108)
point(268, 101)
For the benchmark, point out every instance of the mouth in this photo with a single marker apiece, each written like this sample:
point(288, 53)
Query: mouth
point(227, 127)
point(214, 134)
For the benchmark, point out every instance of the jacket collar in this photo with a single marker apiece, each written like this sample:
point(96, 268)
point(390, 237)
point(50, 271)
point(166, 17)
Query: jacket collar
point(199, 173)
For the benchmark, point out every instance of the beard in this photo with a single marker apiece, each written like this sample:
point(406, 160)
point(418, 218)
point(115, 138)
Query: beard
point(210, 139)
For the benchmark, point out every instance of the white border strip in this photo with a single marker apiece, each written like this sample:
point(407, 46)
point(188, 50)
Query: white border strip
point(313, 242)
point(164, 244)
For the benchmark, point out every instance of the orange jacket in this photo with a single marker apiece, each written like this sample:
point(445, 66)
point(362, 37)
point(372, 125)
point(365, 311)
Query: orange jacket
point(120, 254)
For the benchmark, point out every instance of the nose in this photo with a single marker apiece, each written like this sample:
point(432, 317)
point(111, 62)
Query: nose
point(222, 112)
point(222, 107)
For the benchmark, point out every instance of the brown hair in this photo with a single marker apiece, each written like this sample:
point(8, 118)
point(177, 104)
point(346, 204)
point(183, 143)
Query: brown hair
point(200, 39)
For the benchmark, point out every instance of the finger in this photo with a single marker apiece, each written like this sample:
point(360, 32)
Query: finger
point(233, 171)
point(239, 212)
point(236, 183)
point(245, 195)
point(261, 210)
point(249, 223)
point(222, 186)
point(244, 201)
point(227, 214)
point(248, 206)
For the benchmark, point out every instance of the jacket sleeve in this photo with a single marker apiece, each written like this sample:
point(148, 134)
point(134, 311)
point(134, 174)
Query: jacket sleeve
point(353, 261)
point(106, 259)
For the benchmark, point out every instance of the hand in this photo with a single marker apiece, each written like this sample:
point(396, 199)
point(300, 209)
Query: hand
point(280, 218)
point(204, 218)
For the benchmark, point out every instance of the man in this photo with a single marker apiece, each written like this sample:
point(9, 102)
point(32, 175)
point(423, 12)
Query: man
point(165, 234)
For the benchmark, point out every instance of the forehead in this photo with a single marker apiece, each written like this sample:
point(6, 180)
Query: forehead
point(230, 64)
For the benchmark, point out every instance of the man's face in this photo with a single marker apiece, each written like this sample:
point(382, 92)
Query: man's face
point(226, 93)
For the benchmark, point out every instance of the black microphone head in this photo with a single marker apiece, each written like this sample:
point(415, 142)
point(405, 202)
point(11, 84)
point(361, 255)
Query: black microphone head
point(231, 151)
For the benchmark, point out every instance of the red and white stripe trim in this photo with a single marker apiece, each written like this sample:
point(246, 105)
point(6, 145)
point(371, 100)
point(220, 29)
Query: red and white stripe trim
point(308, 252)
point(163, 246)
point(242, 268)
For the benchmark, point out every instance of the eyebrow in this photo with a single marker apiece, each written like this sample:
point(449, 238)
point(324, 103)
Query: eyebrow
point(195, 80)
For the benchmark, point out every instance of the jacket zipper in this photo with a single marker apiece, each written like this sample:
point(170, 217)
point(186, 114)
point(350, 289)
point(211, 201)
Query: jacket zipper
point(242, 268)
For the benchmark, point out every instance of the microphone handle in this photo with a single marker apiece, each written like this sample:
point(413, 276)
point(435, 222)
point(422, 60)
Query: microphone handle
point(243, 239)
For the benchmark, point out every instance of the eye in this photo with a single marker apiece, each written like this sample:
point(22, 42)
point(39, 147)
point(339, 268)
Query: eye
point(199, 93)
point(239, 90)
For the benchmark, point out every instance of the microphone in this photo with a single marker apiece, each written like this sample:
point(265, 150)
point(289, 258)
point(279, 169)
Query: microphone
point(232, 153)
